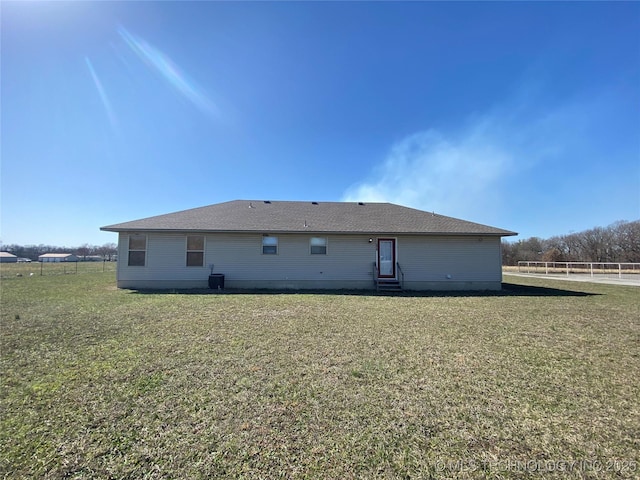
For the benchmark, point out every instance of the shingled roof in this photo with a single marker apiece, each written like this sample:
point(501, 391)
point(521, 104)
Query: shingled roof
point(295, 217)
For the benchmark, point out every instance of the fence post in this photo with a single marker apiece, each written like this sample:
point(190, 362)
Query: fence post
point(620, 271)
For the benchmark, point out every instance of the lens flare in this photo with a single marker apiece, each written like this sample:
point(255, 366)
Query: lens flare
point(103, 94)
point(168, 70)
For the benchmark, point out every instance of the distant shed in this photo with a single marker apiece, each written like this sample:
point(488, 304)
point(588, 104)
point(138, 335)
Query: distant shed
point(57, 257)
point(6, 257)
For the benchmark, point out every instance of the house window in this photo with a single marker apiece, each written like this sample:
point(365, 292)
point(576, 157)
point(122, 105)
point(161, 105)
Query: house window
point(137, 250)
point(269, 245)
point(195, 250)
point(318, 245)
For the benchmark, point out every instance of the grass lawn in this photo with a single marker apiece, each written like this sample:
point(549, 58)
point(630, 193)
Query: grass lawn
point(106, 383)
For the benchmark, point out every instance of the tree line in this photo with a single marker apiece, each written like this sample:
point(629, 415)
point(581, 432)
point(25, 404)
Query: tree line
point(83, 252)
point(619, 242)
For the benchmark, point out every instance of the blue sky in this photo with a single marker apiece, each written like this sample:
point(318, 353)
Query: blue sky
point(524, 116)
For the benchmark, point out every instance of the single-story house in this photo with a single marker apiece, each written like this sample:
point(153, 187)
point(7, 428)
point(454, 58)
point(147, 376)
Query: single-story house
point(6, 257)
point(57, 257)
point(308, 245)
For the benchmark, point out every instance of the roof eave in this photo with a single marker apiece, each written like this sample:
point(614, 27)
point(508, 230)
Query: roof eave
point(324, 232)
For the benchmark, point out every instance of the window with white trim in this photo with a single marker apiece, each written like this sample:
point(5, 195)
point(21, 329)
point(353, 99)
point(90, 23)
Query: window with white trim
point(318, 245)
point(195, 250)
point(137, 250)
point(269, 245)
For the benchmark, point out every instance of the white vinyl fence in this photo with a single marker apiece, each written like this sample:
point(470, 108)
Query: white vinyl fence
point(595, 270)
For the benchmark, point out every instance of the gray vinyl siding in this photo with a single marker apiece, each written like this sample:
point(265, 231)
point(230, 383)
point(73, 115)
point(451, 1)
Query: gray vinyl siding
point(239, 257)
point(455, 262)
point(450, 259)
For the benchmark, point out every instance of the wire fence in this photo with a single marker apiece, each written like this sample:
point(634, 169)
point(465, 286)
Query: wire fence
point(595, 270)
point(29, 269)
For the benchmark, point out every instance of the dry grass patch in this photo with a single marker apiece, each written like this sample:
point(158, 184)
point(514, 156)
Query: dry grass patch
point(101, 383)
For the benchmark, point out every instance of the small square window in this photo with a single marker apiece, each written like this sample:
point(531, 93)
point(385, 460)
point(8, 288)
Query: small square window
point(318, 246)
point(137, 250)
point(269, 245)
point(195, 250)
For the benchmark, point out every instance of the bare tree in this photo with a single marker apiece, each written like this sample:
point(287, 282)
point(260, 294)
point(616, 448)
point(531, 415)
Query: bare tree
point(108, 250)
point(83, 251)
point(619, 242)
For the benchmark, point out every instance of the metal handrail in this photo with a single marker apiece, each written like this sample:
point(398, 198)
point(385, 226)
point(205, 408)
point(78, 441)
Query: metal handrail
point(375, 275)
point(402, 275)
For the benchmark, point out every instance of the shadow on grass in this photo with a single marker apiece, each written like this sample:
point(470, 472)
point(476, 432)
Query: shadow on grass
point(508, 290)
point(514, 289)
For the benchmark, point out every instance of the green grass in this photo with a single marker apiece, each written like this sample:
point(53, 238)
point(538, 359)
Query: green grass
point(106, 383)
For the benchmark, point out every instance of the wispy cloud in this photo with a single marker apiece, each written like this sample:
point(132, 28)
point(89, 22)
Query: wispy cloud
point(167, 69)
point(103, 95)
point(471, 171)
point(433, 171)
